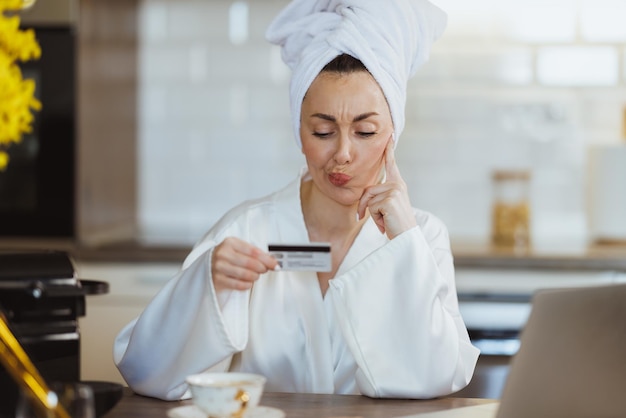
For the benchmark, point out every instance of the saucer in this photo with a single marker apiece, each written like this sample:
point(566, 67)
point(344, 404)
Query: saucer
point(192, 411)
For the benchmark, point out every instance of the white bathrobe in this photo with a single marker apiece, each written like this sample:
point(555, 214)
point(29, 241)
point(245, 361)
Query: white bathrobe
point(388, 326)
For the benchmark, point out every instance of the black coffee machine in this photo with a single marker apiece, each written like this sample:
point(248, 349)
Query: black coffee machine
point(42, 299)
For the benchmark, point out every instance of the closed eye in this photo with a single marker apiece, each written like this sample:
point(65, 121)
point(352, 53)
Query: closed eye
point(322, 134)
point(366, 134)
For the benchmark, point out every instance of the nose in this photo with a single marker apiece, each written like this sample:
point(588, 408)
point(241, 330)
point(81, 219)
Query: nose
point(343, 153)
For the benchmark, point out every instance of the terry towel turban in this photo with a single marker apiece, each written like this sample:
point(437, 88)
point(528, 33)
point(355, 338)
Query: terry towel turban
point(392, 38)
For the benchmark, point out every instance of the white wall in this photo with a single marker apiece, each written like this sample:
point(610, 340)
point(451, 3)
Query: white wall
point(510, 84)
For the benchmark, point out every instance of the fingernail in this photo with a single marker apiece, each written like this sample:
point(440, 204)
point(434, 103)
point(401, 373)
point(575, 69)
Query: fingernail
point(277, 267)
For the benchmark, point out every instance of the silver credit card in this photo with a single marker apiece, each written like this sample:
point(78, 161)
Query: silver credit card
point(303, 257)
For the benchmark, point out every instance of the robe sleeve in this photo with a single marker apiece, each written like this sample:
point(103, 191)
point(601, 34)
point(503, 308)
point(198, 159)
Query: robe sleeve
point(189, 327)
point(398, 311)
point(183, 330)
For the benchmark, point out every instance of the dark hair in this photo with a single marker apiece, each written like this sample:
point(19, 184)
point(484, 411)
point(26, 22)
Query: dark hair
point(344, 64)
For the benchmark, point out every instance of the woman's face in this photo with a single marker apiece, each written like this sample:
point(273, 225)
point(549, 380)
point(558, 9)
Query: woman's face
point(345, 125)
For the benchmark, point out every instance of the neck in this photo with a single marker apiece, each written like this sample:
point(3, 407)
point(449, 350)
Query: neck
point(326, 219)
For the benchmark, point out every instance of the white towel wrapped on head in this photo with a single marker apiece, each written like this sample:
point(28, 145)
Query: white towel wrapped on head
point(392, 38)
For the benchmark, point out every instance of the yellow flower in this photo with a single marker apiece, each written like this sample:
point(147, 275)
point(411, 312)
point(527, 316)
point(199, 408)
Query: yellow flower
point(17, 96)
point(4, 160)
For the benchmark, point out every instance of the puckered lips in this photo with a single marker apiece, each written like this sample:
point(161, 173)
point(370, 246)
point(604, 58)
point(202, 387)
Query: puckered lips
point(339, 179)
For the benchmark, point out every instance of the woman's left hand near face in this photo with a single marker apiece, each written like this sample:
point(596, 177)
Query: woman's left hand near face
point(389, 203)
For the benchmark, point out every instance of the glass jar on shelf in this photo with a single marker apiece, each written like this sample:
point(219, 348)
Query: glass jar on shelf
point(511, 209)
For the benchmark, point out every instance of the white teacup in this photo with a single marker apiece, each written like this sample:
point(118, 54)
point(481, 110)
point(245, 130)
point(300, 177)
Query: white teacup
point(226, 395)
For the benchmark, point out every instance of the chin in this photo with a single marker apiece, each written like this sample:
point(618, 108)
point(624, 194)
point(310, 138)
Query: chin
point(345, 197)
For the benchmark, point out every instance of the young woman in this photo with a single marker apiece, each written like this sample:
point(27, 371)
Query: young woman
point(383, 322)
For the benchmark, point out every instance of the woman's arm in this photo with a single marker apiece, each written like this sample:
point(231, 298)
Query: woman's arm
point(182, 331)
point(200, 317)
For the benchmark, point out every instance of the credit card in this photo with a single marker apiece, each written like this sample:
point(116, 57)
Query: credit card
point(302, 257)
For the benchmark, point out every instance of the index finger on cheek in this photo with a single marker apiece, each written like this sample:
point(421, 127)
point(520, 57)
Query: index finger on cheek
point(365, 198)
point(391, 168)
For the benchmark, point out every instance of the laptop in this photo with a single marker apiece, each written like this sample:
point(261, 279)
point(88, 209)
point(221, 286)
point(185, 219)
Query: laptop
point(571, 362)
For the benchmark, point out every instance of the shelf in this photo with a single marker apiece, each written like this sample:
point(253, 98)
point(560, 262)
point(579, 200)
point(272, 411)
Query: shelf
point(557, 256)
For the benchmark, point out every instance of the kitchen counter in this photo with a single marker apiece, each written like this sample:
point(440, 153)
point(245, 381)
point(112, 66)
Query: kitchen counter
point(556, 256)
point(117, 252)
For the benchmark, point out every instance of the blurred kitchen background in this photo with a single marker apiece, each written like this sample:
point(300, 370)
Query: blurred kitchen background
point(535, 85)
point(182, 112)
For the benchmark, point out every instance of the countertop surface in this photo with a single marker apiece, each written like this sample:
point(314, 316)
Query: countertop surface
point(306, 405)
point(550, 256)
point(555, 256)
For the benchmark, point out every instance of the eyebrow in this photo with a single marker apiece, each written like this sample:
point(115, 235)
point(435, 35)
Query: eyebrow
point(331, 118)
